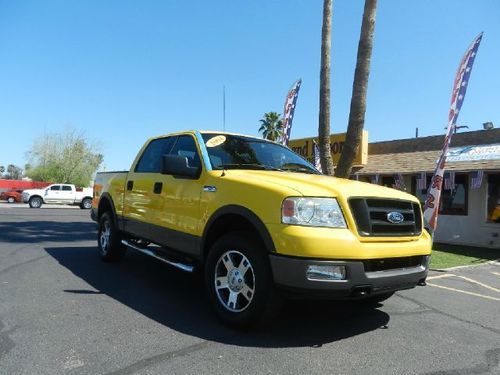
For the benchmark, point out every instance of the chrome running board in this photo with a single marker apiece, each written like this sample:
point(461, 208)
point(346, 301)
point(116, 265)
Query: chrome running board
point(181, 266)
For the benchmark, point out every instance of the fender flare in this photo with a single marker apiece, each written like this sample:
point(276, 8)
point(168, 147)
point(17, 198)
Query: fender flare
point(247, 214)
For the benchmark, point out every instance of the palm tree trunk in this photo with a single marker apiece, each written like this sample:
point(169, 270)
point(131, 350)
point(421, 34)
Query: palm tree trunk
point(359, 89)
point(324, 91)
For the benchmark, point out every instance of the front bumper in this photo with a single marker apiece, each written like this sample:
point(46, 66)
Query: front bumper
point(290, 275)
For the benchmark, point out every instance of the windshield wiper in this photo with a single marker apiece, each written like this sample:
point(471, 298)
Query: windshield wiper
point(251, 166)
point(295, 167)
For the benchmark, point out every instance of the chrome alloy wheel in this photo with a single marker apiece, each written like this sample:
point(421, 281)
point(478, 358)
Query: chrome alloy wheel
point(87, 204)
point(105, 236)
point(234, 281)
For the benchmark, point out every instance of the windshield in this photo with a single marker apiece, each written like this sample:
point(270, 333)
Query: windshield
point(238, 152)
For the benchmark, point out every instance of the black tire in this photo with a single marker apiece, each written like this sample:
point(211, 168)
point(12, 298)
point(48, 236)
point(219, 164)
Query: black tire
point(238, 281)
point(109, 240)
point(35, 202)
point(86, 204)
point(11, 200)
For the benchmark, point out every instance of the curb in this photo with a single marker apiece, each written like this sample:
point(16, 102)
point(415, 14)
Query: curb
point(496, 262)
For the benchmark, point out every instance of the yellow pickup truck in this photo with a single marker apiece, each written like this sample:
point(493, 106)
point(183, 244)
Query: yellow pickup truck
point(260, 222)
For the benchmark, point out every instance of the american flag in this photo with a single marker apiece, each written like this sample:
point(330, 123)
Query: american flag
point(288, 111)
point(449, 180)
point(476, 179)
point(457, 98)
point(317, 161)
point(422, 181)
point(399, 182)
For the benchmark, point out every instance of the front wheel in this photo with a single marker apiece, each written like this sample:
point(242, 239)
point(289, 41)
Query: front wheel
point(238, 280)
point(35, 202)
point(109, 240)
point(86, 204)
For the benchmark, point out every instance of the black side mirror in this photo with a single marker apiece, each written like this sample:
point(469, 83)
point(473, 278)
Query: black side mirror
point(178, 166)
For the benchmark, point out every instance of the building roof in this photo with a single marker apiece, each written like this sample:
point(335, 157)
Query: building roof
point(415, 155)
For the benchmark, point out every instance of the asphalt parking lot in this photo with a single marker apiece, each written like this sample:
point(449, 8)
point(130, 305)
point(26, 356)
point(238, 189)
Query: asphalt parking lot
point(63, 311)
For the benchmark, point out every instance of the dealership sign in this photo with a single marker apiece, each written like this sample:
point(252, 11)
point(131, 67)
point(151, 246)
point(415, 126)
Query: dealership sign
point(305, 147)
point(473, 153)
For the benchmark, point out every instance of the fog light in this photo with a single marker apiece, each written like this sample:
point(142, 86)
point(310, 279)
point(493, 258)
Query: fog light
point(325, 273)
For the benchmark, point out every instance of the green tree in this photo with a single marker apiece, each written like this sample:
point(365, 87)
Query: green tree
point(64, 158)
point(2, 170)
point(271, 126)
point(324, 91)
point(13, 172)
point(359, 89)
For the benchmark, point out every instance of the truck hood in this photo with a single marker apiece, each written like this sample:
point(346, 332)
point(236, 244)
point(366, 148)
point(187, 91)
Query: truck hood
point(320, 185)
point(34, 191)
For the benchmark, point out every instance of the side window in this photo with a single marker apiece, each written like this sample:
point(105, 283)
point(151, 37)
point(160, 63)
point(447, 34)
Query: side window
point(150, 161)
point(55, 187)
point(186, 146)
point(66, 188)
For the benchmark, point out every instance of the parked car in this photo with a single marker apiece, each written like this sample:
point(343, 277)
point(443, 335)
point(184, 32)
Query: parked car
point(59, 194)
point(261, 222)
point(11, 196)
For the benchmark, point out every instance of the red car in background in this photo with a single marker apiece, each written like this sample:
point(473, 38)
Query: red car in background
point(12, 196)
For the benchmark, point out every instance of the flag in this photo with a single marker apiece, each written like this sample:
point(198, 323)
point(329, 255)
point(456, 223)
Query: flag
point(317, 161)
point(422, 181)
point(375, 178)
point(457, 97)
point(476, 179)
point(449, 180)
point(288, 111)
point(399, 182)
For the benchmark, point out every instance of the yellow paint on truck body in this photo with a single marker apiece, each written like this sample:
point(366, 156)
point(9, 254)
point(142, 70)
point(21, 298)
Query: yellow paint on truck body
point(184, 206)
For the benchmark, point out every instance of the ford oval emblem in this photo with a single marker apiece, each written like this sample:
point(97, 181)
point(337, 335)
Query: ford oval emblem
point(395, 217)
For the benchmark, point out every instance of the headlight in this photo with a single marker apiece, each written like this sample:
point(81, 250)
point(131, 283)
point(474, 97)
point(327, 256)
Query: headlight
point(314, 212)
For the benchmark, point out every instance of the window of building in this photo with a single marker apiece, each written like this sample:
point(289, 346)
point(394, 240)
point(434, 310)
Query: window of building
point(493, 200)
point(388, 181)
point(453, 202)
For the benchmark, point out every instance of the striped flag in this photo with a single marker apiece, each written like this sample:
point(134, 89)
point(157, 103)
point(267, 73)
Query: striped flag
point(476, 179)
point(422, 181)
point(457, 97)
point(399, 182)
point(317, 161)
point(449, 180)
point(288, 111)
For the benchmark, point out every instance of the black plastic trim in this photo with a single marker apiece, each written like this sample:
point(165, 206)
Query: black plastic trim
point(246, 214)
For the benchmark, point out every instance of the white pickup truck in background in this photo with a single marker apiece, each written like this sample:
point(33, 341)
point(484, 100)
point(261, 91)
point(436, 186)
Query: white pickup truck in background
point(59, 194)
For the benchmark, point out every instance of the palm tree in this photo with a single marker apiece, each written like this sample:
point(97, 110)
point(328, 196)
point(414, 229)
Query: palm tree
point(359, 89)
point(271, 126)
point(324, 91)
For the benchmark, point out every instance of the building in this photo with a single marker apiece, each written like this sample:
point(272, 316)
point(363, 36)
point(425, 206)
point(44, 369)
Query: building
point(470, 199)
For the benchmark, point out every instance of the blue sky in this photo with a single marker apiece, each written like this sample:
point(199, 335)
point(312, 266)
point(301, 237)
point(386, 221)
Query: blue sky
point(123, 71)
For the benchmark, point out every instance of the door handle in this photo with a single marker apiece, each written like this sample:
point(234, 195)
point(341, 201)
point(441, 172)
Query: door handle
point(158, 187)
point(130, 185)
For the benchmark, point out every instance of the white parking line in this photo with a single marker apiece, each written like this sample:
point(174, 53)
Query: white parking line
point(496, 273)
point(480, 284)
point(464, 292)
point(440, 276)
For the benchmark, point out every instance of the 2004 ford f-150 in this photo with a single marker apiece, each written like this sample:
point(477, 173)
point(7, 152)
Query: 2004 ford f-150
point(261, 222)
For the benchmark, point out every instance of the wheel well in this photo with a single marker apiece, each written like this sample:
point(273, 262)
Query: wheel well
point(36, 196)
point(230, 223)
point(104, 206)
